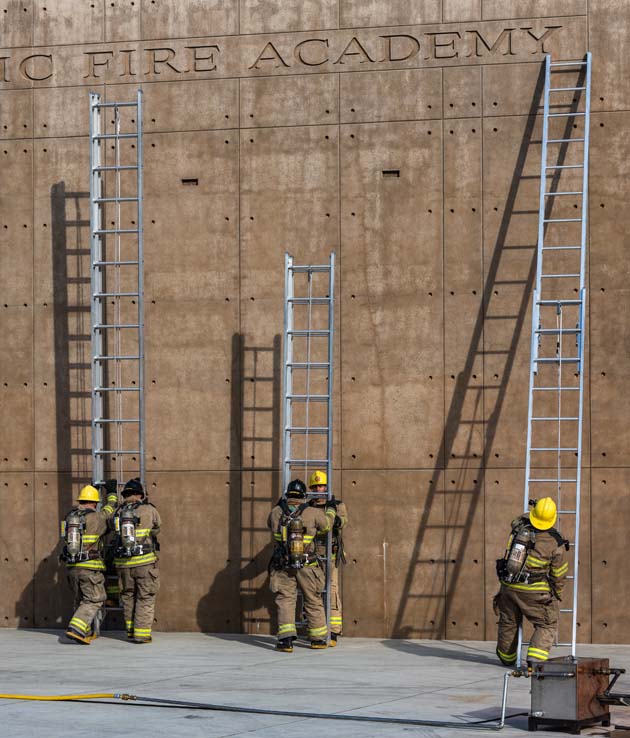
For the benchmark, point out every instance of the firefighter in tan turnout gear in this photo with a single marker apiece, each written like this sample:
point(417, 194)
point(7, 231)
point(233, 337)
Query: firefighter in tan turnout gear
point(137, 524)
point(82, 530)
point(532, 574)
point(294, 524)
point(318, 484)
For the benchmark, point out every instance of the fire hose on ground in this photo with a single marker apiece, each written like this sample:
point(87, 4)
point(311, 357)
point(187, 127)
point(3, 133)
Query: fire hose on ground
point(138, 701)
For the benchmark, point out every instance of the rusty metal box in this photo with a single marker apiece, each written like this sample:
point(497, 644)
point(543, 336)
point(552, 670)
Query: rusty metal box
point(564, 691)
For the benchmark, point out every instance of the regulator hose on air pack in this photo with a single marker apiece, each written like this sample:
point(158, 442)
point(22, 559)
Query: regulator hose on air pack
point(158, 702)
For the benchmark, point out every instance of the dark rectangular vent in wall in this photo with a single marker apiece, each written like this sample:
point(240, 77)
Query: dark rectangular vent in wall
point(391, 172)
point(191, 181)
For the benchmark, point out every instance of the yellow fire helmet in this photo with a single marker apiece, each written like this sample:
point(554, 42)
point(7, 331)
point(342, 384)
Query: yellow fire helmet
point(317, 478)
point(88, 494)
point(544, 514)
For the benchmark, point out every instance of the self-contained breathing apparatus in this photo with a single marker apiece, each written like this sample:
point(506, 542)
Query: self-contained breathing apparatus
point(512, 569)
point(125, 524)
point(72, 529)
point(290, 551)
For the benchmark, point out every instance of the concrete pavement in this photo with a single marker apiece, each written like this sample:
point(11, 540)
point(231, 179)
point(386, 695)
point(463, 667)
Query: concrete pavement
point(431, 680)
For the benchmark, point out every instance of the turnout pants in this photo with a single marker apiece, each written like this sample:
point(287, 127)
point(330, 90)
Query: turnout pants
point(139, 586)
point(336, 621)
point(540, 608)
point(311, 581)
point(88, 586)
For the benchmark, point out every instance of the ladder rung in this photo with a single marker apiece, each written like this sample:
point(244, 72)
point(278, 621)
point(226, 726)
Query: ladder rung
point(552, 448)
point(99, 421)
point(102, 326)
point(556, 389)
point(116, 294)
point(565, 609)
point(557, 331)
point(304, 431)
point(565, 166)
point(116, 358)
point(562, 220)
point(316, 268)
point(558, 360)
point(308, 364)
point(561, 248)
point(117, 389)
point(104, 231)
point(564, 140)
point(115, 199)
point(553, 480)
point(113, 168)
point(564, 115)
point(579, 63)
point(557, 194)
point(116, 263)
point(309, 398)
point(309, 462)
point(99, 136)
point(556, 418)
point(116, 105)
point(559, 302)
point(115, 453)
point(308, 333)
point(309, 300)
point(568, 512)
point(565, 89)
point(559, 276)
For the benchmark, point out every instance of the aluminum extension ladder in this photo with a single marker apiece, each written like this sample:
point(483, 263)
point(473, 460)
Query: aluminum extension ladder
point(308, 379)
point(117, 308)
point(556, 381)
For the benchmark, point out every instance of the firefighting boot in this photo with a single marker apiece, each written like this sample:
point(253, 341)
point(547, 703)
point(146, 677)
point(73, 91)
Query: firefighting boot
point(146, 639)
point(77, 637)
point(319, 644)
point(285, 645)
point(333, 640)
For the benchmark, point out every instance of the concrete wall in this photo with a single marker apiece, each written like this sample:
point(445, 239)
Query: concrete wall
point(288, 113)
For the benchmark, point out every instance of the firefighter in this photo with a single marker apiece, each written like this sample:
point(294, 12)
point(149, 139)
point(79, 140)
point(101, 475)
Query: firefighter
point(318, 484)
point(532, 573)
point(82, 530)
point(137, 524)
point(294, 564)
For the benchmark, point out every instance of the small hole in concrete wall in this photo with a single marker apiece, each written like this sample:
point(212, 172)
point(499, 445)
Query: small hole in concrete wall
point(450, 105)
point(328, 215)
point(227, 141)
point(495, 129)
point(352, 135)
point(429, 132)
point(251, 115)
point(354, 456)
point(251, 217)
point(601, 205)
point(328, 112)
point(353, 296)
point(601, 125)
point(430, 294)
point(193, 181)
point(603, 374)
point(327, 137)
point(602, 289)
point(251, 140)
point(352, 110)
point(603, 453)
point(474, 130)
point(391, 172)
point(429, 210)
point(451, 132)
point(431, 456)
point(428, 107)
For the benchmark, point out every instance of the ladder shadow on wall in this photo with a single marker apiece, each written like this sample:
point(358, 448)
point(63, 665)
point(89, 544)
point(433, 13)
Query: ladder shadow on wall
point(459, 489)
point(46, 602)
point(254, 489)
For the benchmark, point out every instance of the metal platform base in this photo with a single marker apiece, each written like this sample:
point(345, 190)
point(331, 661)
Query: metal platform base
point(571, 726)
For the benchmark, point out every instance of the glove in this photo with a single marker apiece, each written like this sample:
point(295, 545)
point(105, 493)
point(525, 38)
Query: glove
point(111, 487)
point(337, 523)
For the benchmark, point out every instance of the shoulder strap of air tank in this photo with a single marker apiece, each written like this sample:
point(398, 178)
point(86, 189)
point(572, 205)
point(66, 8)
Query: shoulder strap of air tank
point(558, 538)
